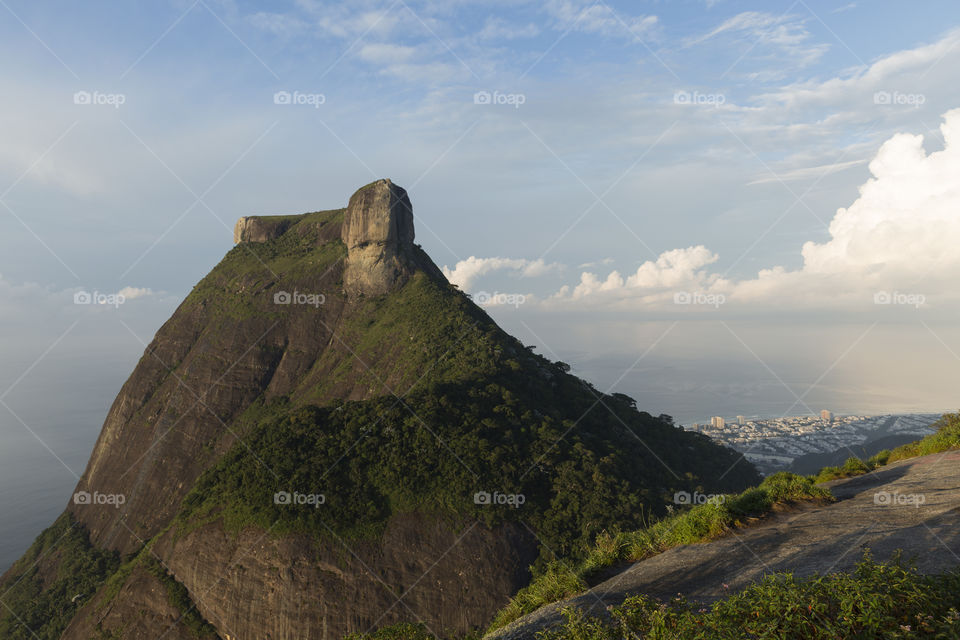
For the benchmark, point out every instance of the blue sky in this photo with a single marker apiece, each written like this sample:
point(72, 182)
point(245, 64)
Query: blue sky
point(641, 150)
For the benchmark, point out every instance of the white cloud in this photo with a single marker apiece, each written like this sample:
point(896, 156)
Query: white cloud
point(907, 218)
point(595, 263)
point(672, 270)
point(758, 29)
point(804, 173)
point(466, 272)
point(499, 29)
point(132, 293)
point(599, 18)
point(900, 235)
point(901, 71)
point(844, 8)
point(384, 53)
point(279, 24)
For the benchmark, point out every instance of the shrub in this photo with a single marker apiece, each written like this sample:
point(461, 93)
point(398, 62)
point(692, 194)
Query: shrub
point(699, 523)
point(876, 600)
point(402, 631)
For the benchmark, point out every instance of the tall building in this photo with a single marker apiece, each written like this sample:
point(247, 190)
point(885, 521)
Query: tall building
point(741, 419)
point(826, 415)
point(717, 422)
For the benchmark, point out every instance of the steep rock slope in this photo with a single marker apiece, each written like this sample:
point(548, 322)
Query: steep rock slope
point(327, 355)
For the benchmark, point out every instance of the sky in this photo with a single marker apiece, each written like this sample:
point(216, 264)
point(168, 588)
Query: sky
point(716, 207)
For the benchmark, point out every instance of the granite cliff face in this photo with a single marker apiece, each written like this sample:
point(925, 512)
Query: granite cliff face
point(308, 319)
point(378, 233)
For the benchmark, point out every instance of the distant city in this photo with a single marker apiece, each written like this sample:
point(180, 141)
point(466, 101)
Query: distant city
point(806, 443)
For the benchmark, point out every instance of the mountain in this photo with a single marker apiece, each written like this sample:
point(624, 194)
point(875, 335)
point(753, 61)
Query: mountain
point(326, 438)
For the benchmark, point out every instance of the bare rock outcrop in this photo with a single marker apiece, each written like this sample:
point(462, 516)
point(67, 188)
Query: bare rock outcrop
point(261, 228)
point(378, 232)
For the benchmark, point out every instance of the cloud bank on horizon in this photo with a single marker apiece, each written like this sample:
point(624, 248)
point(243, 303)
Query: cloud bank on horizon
point(899, 237)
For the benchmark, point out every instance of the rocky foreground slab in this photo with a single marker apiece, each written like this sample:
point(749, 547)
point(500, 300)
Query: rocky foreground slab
point(913, 505)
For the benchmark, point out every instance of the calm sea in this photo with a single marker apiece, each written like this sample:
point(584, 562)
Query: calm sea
point(34, 485)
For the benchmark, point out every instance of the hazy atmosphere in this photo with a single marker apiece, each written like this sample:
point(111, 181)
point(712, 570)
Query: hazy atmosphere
point(716, 207)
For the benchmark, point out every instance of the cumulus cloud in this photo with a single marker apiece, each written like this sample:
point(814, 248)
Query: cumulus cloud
point(900, 234)
point(466, 272)
point(653, 280)
point(132, 293)
point(902, 231)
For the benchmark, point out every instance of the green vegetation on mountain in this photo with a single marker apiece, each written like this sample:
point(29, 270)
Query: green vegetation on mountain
point(876, 600)
point(699, 523)
point(888, 600)
point(44, 602)
point(179, 598)
point(401, 631)
point(425, 333)
point(582, 463)
point(240, 286)
point(474, 411)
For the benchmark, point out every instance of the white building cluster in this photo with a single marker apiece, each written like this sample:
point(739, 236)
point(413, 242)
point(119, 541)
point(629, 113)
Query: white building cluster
point(773, 443)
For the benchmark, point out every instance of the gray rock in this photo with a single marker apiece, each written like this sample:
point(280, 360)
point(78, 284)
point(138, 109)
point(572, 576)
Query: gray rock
point(912, 505)
point(378, 232)
point(260, 228)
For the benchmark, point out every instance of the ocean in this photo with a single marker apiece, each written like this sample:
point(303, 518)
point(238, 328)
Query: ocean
point(34, 485)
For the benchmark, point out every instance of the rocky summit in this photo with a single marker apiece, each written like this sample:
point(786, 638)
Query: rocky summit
point(328, 438)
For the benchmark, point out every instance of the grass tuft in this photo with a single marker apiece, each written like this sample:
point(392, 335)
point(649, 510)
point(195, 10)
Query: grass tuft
point(697, 524)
